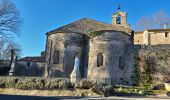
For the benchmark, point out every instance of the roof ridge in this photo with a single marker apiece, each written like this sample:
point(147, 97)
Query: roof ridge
point(85, 25)
point(98, 21)
point(67, 24)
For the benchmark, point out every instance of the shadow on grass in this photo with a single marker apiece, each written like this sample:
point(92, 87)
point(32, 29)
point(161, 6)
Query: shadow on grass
point(22, 97)
point(124, 94)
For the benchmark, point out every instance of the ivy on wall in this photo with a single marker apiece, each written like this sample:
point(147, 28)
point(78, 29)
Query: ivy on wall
point(93, 34)
point(143, 78)
point(136, 75)
point(146, 78)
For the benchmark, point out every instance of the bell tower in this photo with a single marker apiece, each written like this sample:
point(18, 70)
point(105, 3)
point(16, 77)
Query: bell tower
point(120, 18)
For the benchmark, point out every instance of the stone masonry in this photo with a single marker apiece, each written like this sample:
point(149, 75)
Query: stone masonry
point(117, 50)
point(105, 50)
point(152, 37)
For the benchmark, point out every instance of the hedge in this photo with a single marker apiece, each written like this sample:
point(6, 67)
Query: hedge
point(35, 83)
point(39, 83)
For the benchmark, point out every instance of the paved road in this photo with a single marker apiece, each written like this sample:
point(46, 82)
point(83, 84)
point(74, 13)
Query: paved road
point(18, 97)
point(139, 98)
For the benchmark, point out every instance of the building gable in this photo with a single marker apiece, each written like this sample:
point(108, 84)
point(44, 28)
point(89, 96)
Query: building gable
point(85, 26)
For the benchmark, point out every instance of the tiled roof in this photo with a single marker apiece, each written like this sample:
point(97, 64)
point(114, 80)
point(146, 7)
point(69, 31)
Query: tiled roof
point(158, 30)
point(85, 26)
point(139, 32)
point(153, 30)
point(32, 59)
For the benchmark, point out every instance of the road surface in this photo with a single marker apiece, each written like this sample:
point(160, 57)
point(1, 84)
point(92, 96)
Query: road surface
point(19, 97)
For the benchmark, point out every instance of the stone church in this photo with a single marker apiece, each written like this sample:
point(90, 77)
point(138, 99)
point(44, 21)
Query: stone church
point(105, 50)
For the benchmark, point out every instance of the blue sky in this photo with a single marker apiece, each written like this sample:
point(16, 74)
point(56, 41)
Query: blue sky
point(41, 16)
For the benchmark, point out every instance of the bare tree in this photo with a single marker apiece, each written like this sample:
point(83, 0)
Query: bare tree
point(161, 18)
point(10, 20)
point(144, 23)
point(157, 20)
point(5, 50)
point(10, 24)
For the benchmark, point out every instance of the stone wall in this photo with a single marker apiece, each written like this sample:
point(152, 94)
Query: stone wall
point(138, 38)
point(4, 67)
point(68, 46)
point(159, 38)
point(158, 59)
point(24, 68)
point(112, 45)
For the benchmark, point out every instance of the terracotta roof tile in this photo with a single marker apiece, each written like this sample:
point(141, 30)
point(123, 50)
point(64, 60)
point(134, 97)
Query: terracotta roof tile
point(85, 26)
point(34, 59)
point(158, 30)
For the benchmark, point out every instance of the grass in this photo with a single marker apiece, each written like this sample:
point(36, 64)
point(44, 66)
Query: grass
point(155, 92)
point(76, 92)
point(1, 91)
point(127, 91)
point(137, 91)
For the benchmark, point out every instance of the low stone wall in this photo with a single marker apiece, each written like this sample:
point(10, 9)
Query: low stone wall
point(34, 69)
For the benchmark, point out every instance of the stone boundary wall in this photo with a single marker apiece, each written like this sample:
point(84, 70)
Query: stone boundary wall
point(157, 57)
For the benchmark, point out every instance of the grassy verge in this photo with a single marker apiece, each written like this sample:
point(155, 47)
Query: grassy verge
point(63, 87)
point(137, 91)
point(77, 92)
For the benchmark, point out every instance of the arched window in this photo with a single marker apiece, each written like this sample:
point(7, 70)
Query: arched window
point(121, 62)
point(99, 60)
point(28, 64)
point(118, 19)
point(56, 57)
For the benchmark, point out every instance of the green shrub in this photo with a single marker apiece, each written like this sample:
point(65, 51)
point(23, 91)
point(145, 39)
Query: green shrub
point(10, 82)
point(2, 83)
point(34, 83)
point(51, 84)
point(86, 84)
point(103, 88)
point(29, 83)
point(64, 84)
point(91, 35)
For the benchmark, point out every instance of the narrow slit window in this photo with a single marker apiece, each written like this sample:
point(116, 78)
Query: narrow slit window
point(28, 64)
point(56, 57)
point(99, 60)
point(121, 62)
